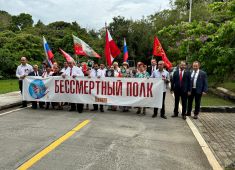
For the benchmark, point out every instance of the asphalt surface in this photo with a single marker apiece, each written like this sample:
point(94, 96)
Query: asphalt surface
point(112, 140)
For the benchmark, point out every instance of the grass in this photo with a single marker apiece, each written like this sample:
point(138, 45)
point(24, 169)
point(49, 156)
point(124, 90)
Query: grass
point(212, 100)
point(8, 86)
point(229, 85)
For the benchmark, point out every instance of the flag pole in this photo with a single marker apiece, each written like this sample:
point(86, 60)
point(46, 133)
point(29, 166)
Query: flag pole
point(105, 42)
point(189, 20)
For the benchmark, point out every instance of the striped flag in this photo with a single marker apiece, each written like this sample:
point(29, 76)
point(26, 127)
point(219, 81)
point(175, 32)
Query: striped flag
point(125, 52)
point(48, 52)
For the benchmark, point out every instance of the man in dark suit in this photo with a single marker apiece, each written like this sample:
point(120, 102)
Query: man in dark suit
point(180, 84)
point(198, 87)
point(36, 72)
point(153, 67)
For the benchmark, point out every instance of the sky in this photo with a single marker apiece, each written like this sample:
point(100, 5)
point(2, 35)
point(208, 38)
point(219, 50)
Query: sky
point(90, 14)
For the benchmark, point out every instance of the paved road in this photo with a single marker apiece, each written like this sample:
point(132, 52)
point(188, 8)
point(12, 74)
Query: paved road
point(112, 140)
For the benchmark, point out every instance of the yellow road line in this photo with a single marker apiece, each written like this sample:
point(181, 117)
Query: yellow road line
point(52, 146)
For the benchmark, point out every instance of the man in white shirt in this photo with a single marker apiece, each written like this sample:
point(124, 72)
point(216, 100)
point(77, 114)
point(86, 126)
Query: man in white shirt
point(21, 72)
point(198, 88)
point(164, 75)
point(102, 71)
point(73, 71)
point(96, 72)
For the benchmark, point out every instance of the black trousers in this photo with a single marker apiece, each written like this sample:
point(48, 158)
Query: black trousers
point(35, 105)
point(197, 102)
point(95, 106)
point(79, 107)
point(163, 106)
point(24, 103)
point(183, 96)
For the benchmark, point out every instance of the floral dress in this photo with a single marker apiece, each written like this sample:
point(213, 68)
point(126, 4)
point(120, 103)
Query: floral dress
point(142, 75)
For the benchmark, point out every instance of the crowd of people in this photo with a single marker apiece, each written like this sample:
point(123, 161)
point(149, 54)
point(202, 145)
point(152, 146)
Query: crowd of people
point(186, 84)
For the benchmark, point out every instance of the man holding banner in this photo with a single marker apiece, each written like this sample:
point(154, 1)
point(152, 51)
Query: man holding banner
point(99, 73)
point(161, 73)
point(72, 71)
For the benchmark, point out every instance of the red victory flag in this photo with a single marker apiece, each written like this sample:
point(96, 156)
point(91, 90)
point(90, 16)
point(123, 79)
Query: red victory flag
point(159, 51)
point(111, 49)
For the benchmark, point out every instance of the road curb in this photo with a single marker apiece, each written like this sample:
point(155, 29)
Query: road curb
point(8, 106)
point(220, 109)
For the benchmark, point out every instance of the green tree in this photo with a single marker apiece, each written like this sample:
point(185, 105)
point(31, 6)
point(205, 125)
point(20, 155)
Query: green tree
point(21, 21)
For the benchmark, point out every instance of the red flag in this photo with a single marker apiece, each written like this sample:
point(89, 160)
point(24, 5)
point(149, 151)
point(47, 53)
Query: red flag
point(78, 49)
point(66, 56)
point(111, 49)
point(159, 51)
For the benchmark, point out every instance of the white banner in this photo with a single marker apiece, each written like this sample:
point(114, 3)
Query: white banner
point(138, 92)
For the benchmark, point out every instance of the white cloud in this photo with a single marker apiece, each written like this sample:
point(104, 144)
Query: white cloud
point(88, 13)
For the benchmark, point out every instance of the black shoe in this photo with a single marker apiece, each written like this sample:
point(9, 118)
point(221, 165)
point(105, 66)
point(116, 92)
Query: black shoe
point(71, 110)
point(174, 116)
point(195, 117)
point(94, 109)
point(80, 111)
point(184, 117)
point(163, 116)
point(154, 115)
point(188, 114)
point(138, 112)
point(101, 110)
point(23, 106)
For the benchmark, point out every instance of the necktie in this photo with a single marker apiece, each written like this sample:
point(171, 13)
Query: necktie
point(71, 71)
point(193, 78)
point(96, 73)
point(181, 76)
point(152, 68)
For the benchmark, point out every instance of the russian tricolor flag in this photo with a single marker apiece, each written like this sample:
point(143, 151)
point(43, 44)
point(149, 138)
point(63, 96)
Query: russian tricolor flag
point(48, 51)
point(125, 52)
